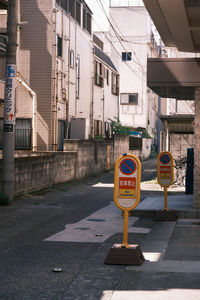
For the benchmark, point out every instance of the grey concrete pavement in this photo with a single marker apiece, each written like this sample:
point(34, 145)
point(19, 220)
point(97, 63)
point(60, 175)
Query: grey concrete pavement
point(74, 225)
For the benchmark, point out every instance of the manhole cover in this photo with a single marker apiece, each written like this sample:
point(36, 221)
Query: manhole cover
point(96, 220)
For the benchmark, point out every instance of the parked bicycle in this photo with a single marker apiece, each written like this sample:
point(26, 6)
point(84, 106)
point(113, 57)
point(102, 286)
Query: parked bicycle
point(180, 171)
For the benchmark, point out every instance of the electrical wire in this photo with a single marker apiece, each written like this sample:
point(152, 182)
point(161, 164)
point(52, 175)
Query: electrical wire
point(117, 34)
point(117, 52)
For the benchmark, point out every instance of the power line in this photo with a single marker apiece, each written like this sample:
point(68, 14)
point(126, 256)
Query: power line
point(119, 54)
point(117, 34)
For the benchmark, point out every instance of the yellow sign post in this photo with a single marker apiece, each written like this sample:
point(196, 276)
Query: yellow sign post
point(165, 177)
point(126, 197)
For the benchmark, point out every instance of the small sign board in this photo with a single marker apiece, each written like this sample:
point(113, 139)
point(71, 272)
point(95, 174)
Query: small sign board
point(9, 102)
point(127, 181)
point(165, 169)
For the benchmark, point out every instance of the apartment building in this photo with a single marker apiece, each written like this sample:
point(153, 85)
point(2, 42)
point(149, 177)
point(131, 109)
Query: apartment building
point(106, 91)
point(130, 41)
point(61, 75)
point(54, 61)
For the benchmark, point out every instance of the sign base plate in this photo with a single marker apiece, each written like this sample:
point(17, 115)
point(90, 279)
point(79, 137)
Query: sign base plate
point(119, 255)
point(165, 215)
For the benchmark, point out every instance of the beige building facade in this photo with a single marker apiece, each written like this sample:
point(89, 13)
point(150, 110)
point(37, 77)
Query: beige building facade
point(55, 95)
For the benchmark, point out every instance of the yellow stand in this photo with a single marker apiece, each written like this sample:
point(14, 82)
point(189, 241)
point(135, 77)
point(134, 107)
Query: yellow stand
point(125, 254)
point(165, 195)
point(125, 232)
point(165, 214)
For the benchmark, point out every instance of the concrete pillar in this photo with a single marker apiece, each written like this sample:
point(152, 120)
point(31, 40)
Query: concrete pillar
point(196, 202)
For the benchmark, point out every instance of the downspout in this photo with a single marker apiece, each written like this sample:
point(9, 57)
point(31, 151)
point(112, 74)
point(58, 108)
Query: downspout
point(34, 119)
point(118, 98)
point(92, 95)
point(54, 106)
point(68, 81)
point(62, 63)
point(103, 117)
point(75, 62)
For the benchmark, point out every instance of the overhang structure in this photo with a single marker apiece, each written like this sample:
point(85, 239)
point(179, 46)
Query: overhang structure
point(178, 24)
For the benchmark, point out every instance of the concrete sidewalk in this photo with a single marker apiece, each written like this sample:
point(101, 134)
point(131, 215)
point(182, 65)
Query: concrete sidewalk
point(176, 198)
point(73, 227)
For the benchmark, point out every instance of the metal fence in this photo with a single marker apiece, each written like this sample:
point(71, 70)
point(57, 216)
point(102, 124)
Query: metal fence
point(23, 139)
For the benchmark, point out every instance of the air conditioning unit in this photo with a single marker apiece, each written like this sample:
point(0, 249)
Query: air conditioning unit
point(79, 128)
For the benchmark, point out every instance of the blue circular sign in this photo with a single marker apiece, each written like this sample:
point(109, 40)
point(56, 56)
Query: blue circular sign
point(165, 159)
point(127, 166)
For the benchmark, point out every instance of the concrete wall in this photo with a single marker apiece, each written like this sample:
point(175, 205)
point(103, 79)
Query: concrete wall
point(81, 158)
point(179, 144)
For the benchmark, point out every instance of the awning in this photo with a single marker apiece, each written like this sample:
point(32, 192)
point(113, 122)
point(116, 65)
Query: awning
point(180, 123)
point(174, 77)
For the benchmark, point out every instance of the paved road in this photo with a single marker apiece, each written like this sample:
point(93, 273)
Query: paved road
point(72, 227)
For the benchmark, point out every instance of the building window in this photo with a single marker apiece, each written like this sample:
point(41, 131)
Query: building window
point(72, 8)
point(86, 20)
point(77, 77)
point(59, 46)
point(23, 134)
point(78, 12)
point(61, 135)
point(107, 77)
point(71, 58)
point(115, 87)
point(98, 74)
point(97, 127)
point(126, 56)
point(107, 130)
point(129, 99)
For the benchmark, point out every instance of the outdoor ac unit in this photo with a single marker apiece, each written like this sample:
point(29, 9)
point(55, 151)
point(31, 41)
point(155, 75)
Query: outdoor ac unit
point(79, 128)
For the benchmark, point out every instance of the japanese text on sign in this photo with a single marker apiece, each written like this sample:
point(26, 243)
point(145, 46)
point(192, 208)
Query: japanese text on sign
point(165, 168)
point(9, 103)
point(127, 187)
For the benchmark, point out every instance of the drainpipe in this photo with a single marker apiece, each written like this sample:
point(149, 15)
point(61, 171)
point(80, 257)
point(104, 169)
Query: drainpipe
point(92, 95)
point(54, 104)
point(68, 81)
point(34, 119)
point(103, 117)
point(75, 62)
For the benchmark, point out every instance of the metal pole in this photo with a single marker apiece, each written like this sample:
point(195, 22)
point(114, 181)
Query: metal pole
point(125, 233)
point(165, 197)
point(8, 169)
point(159, 110)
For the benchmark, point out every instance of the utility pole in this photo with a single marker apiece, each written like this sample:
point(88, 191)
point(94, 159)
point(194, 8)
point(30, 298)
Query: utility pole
point(159, 110)
point(8, 179)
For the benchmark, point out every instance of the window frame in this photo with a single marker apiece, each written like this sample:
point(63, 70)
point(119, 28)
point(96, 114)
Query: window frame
point(87, 21)
point(59, 46)
point(126, 56)
point(129, 102)
point(107, 77)
point(77, 77)
point(115, 84)
point(71, 58)
point(98, 73)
